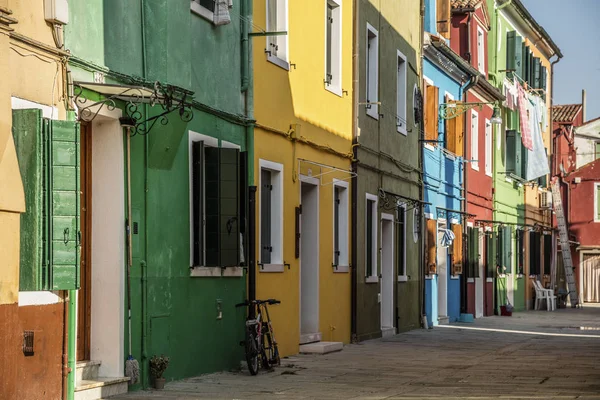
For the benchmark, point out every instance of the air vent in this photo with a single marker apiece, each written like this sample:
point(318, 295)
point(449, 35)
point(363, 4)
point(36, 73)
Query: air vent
point(28, 343)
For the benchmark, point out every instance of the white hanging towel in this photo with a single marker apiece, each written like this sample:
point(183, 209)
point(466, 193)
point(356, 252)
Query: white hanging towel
point(448, 238)
point(537, 160)
point(221, 13)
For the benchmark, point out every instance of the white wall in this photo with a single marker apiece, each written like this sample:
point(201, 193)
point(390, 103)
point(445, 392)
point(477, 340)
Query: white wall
point(108, 247)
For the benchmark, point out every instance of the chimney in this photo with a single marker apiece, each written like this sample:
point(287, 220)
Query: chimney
point(583, 106)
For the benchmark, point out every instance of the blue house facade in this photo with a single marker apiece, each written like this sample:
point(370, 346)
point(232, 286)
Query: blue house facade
point(446, 78)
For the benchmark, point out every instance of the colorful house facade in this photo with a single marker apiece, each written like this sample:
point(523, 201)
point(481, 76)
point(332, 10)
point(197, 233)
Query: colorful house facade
point(37, 268)
point(446, 78)
point(302, 158)
point(469, 39)
point(387, 193)
point(165, 108)
point(521, 50)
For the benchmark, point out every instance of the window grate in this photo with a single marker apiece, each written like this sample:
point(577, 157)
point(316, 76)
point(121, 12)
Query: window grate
point(28, 343)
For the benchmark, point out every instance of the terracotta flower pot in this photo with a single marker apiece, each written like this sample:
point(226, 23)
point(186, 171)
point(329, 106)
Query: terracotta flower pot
point(159, 383)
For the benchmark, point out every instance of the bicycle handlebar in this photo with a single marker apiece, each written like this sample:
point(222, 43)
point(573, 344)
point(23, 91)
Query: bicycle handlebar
point(254, 302)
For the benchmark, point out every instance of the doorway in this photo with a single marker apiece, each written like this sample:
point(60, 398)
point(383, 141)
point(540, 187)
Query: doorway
point(387, 275)
point(84, 295)
point(442, 272)
point(309, 261)
point(480, 279)
point(591, 278)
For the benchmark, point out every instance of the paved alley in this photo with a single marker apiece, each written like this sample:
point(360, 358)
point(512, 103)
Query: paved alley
point(535, 354)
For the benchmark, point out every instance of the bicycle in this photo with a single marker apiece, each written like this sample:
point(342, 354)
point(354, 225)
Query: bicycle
point(259, 337)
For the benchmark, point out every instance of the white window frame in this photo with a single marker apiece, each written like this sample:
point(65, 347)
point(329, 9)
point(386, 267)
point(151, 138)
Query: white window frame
point(480, 50)
point(202, 11)
point(403, 277)
point(488, 147)
point(401, 93)
point(596, 185)
point(276, 264)
point(282, 58)
point(343, 226)
point(374, 277)
point(474, 159)
point(335, 86)
point(372, 78)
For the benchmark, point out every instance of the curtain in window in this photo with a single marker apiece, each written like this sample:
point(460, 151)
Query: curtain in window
point(591, 279)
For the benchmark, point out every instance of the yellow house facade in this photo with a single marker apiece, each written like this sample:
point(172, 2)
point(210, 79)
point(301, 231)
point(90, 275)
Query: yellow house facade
point(32, 67)
point(303, 153)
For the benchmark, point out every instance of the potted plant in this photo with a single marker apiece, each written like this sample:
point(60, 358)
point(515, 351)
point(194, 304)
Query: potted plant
point(158, 365)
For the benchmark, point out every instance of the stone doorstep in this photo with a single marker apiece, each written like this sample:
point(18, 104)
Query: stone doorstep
point(321, 347)
point(87, 370)
point(101, 388)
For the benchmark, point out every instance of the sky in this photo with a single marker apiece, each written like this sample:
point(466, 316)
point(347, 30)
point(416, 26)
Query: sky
point(573, 26)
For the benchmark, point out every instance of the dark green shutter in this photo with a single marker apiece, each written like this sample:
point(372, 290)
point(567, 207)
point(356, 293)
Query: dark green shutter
point(524, 156)
point(329, 39)
point(544, 81)
point(518, 154)
point(212, 188)
point(469, 252)
point(64, 197)
point(401, 240)
point(336, 225)
point(511, 145)
point(243, 204)
point(265, 216)
point(491, 261)
point(229, 227)
point(369, 266)
point(597, 155)
point(525, 64)
point(500, 250)
point(476, 253)
point(514, 51)
point(198, 201)
point(29, 143)
point(507, 241)
point(520, 251)
point(547, 253)
point(537, 78)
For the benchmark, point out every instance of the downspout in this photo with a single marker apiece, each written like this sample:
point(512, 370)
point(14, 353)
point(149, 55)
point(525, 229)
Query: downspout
point(71, 345)
point(354, 189)
point(494, 75)
point(143, 263)
point(248, 90)
point(421, 136)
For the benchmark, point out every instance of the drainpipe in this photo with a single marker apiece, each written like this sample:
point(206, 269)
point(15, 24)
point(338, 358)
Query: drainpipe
point(354, 189)
point(421, 121)
point(71, 345)
point(143, 264)
point(494, 75)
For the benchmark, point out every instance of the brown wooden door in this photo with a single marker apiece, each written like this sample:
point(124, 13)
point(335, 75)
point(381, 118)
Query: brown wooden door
point(85, 292)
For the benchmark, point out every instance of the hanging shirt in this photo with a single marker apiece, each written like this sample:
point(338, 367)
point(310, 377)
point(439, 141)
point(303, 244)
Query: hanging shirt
point(523, 108)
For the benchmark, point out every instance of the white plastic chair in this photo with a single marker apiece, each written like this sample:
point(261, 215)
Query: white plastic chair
point(540, 295)
point(548, 294)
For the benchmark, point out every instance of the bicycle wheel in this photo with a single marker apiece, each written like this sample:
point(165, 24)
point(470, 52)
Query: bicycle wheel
point(251, 351)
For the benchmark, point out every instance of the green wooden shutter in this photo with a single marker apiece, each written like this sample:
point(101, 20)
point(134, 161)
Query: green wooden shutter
point(336, 226)
point(476, 254)
point(547, 253)
point(537, 77)
point(597, 155)
point(525, 64)
point(469, 252)
point(511, 144)
point(500, 249)
point(518, 154)
point(243, 206)
point(29, 143)
point(491, 260)
point(523, 156)
point(212, 187)
point(265, 216)
point(507, 243)
point(64, 204)
point(329, 49)
point(598, 202)
point(520, 251)
point(514, 53)
point(229, 227)
point(198, 201)
point(369, 240)
point(530, 65)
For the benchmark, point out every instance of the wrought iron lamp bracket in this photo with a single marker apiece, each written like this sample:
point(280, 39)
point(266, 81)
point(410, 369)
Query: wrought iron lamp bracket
point(453, 110)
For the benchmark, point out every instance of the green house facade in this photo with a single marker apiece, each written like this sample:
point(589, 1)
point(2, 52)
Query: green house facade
point(162, 92)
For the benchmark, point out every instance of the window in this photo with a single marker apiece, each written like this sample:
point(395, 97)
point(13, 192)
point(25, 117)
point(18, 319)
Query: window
point(401, 250)
point(597, 150)
point(271, 214)
point(514, 53)
point(534, 253)
point(513, 162)
point(340, 226)
point(488, 148)
point(47, 154)
point(547, 253)
point(520, 243)
point(480, 51)
point(474, 140)
point(371, 239)
point(597, 202)
point(401, 122)
point(277, 21)
point(372, 72)
point(333, 47)
point(216, 213)
point(431, 111)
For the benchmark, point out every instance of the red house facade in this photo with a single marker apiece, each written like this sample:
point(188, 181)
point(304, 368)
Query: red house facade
point(469, 30)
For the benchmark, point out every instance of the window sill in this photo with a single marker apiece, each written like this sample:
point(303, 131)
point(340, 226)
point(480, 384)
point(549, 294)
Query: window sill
point(509, 180)
point(371, 279)
point(403, 131)
point(488, 174)
point(429, 147)
point(334, 89)
point(474, 167)
point(402, 278)
point(373, 114)
point(454, 277)
point(279, 62)
point(489, 280)
point(519, 276)
point(470, 280)
point(501, 275)
point(203, 272)
point(233, 272)
point(429, 277)
point(271, 268)
point(202, 12)
point(341, 269)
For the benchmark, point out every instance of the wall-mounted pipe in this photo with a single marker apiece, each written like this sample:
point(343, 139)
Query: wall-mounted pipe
point(354, 188)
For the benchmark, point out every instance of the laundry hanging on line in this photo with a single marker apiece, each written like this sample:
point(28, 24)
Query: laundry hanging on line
point(524, 117)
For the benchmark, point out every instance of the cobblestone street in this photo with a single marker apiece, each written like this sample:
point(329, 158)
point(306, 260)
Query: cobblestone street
point(535, 354)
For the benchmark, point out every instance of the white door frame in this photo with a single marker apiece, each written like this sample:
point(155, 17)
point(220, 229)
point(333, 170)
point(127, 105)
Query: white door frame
point(442, 272)
point(583, 253)
point(480, 282)
point(386, 286)
point(316, 335)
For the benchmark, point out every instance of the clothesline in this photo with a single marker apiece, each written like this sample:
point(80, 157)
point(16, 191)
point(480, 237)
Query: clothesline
point(526, 83)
